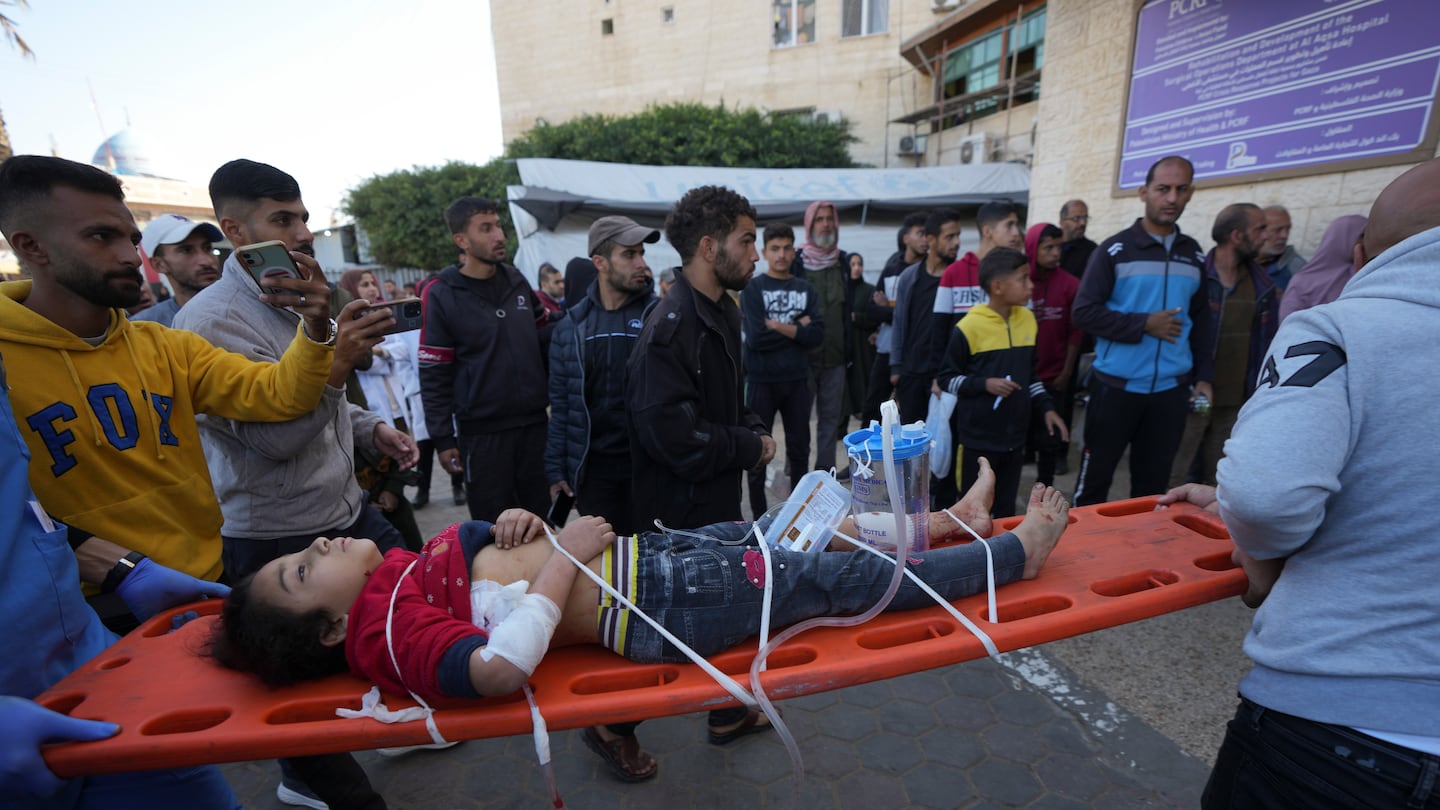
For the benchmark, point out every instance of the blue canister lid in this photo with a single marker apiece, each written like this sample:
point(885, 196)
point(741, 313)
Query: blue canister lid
point(910, 441)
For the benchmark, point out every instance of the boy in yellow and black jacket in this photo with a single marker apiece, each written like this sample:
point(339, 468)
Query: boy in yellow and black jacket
point(990, 368)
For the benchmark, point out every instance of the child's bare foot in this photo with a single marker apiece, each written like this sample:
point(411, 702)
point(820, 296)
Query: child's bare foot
point(973, 507)
point(1045, 520)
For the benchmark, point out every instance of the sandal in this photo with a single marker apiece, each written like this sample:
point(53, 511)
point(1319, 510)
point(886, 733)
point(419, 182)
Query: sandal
point(750, 725)
point(626, 760)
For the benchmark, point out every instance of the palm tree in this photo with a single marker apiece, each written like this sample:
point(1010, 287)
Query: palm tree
point(8, 26)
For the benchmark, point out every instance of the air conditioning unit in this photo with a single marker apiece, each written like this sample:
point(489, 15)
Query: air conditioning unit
point(827, 116)
point(911, 145)
point(942, 6)
point(975, 148)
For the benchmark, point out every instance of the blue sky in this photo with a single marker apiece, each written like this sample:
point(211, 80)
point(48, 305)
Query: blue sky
point(332, 92)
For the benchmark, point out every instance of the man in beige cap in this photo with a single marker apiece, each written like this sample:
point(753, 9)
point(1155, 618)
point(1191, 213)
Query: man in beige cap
point(587, 448)
point(587, 441)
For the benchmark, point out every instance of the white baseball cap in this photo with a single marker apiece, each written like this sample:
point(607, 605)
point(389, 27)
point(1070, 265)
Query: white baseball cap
point(170, 229)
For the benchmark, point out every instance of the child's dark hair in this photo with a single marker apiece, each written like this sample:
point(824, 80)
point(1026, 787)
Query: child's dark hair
point(778, 231)
point(1050, 232)
point(998, 263)
point(279, 646)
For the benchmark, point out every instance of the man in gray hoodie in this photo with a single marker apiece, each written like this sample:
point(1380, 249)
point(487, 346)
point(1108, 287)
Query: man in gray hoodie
point(1323, 487)
point(281, 485)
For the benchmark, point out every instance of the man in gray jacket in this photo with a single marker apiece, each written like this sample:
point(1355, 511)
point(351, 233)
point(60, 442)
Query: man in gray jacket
point(1323, 487)
point(281, 485)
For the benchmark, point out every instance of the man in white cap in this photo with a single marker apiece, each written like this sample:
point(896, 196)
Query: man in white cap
point(183, 250)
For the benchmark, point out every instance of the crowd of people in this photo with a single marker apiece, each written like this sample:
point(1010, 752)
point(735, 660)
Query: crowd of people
point(234, 436)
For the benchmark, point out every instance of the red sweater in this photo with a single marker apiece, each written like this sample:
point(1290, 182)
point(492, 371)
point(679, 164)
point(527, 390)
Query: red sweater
point(1052, 300)
point(432, 615)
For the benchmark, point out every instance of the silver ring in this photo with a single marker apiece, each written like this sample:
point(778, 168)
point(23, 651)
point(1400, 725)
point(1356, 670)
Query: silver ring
point(302, 299)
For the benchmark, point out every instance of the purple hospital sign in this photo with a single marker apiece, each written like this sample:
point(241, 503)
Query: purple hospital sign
point(1240, 86)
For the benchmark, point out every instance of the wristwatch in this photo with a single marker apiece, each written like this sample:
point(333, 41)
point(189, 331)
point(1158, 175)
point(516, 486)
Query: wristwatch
point(122, 569)
point(330, 335)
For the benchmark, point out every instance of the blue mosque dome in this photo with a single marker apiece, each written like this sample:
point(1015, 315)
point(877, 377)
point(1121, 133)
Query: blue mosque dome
point(122, 154)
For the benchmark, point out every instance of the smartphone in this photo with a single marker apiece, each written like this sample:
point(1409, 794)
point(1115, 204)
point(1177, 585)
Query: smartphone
point(560, 509)
point(267, 261)
point(407, 313)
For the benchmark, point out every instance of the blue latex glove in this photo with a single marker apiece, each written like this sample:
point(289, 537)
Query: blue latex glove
point(152, 587)
point(28, 724)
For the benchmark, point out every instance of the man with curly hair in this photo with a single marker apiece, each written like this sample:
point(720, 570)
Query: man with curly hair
point(691, 435)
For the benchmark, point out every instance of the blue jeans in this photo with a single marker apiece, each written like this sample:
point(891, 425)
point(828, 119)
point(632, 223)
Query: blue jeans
point(702, 590)
point(1274, 760)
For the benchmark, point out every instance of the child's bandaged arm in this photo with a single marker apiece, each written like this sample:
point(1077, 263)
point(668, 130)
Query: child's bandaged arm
point(520, 640)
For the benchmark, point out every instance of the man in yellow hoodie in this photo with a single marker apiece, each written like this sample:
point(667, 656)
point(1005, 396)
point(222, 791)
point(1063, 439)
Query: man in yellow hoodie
point(107, 406)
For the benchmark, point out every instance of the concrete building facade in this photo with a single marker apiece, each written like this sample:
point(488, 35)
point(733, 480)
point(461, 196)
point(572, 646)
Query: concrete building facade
point(923, 82)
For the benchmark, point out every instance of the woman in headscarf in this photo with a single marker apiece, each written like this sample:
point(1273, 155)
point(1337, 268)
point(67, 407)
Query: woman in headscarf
point(1322, 279)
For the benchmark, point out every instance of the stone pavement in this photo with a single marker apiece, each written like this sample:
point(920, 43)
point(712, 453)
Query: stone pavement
point(1025, 731)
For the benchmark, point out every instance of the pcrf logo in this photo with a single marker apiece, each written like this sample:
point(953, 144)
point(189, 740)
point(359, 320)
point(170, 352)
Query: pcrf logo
point(1179, 8)
point(1238, 156)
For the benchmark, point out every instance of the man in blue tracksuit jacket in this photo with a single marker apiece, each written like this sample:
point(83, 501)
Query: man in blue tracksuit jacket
point(1142, 298)
point(587, 446)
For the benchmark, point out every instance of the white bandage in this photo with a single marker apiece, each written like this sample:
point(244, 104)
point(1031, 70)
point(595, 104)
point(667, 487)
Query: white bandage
point(523, 636)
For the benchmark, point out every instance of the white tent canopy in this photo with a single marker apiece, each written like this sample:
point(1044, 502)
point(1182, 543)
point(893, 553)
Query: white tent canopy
point(559, 199)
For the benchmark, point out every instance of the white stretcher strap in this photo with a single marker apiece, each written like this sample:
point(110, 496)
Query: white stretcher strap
point(989, 560)
point(985, 640)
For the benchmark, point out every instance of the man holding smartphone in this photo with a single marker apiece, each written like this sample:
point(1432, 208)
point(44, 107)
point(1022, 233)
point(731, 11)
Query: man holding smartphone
point(282, 485)
point(107, 409)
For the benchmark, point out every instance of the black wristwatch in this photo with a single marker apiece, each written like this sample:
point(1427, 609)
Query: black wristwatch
point(122, 569)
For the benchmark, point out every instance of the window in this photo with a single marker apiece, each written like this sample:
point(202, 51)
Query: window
point(861, 17)
point(974, 67)
point(667, 15)
point(793, 22)
point(607, 27)
point(984, 66)
point(1029, 43)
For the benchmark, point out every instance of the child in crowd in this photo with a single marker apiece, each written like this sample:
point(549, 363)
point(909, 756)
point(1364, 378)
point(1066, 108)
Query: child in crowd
point(782, 323)
point(312, 613)
point(1057, 344)
point(990, 367)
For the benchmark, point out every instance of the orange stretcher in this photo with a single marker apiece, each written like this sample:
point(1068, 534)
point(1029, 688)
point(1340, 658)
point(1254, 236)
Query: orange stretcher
point(1117, 563)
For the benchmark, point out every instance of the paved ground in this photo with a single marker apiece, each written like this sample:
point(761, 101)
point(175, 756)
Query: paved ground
point(1128, 717)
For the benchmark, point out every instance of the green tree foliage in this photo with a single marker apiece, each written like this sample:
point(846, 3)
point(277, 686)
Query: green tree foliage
point(688, 134)
point(402, 211)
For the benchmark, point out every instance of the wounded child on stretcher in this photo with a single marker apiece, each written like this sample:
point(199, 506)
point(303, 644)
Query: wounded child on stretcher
point(456, 632)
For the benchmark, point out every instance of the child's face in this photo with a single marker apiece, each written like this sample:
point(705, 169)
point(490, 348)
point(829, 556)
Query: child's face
point(1013, 288)
point(328, 575)
point(1047, 254)
point(779, 253)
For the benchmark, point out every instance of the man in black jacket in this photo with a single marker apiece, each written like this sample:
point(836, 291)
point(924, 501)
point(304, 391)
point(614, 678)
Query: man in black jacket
point(482, 369)
point(587, 450)
point(690, 433)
